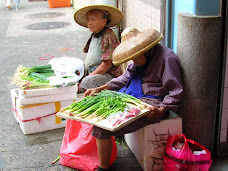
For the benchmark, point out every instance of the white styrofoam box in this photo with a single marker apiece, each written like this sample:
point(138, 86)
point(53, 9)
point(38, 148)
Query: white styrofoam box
point(38, 117)
point(47, 95)
point(45, 124)
point(14, 97)
point(48, 91)
point(45, 99)
point(148, 143)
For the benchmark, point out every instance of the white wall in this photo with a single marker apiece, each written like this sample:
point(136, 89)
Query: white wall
point(81, 3)
point(141, 14)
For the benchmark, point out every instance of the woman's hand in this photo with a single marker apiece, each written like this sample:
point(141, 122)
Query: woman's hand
point(91, 91)
point(154, 112)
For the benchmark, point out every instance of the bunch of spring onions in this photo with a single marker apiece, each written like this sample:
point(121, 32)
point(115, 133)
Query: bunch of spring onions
point(101, 105)
point(33, 77)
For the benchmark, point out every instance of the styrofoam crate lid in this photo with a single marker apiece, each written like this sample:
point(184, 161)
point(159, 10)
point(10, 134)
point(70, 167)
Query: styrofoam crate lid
point(46, 99)
point(48, 91)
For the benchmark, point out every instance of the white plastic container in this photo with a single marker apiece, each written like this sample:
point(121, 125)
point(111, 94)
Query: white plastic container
point(38, 117)
point(148, 143)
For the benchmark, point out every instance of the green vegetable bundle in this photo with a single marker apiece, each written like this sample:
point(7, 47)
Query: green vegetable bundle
point(33, 77)
point(101, 105)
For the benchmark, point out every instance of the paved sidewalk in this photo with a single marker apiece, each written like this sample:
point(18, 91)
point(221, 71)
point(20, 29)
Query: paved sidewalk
point(21, 46)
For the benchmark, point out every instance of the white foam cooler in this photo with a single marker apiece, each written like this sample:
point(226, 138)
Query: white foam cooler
point(48, 91)
point(148, 143)
point(47, 95)
point(38, 116)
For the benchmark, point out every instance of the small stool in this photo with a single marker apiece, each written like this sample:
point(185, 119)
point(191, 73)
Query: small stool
point(148, 143)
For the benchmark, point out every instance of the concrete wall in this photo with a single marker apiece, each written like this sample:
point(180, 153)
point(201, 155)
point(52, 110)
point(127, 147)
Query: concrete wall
point(224, 121)
point(198, 47)
point(224, 118)
point(195, 7)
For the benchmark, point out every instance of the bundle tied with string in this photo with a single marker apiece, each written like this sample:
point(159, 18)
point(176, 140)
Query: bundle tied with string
point(135, 43)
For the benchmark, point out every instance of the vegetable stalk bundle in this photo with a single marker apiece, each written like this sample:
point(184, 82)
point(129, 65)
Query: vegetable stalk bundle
point(102, 105)
point(33, 77)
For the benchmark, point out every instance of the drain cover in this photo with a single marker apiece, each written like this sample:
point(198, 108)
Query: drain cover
point(47, 25)
point(45, 15)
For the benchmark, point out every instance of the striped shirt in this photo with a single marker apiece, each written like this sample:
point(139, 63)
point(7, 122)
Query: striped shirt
point(162, 78)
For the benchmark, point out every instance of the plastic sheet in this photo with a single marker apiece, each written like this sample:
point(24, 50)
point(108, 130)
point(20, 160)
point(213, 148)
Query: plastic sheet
point(72, 68)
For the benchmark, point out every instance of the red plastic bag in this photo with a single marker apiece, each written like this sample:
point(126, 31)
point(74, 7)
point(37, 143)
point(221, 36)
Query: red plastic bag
point(185, 155)
point(79, 148)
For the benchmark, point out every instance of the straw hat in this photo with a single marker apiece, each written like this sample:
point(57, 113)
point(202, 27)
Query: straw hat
point(115, 15)
point(134, 43)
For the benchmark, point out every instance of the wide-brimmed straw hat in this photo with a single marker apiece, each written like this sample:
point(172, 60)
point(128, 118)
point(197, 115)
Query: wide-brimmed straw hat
point(115, 15)
point(134, 43)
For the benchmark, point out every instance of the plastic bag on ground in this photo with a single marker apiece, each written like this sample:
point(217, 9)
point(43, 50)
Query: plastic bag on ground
point(182, 154)
point(79, 148)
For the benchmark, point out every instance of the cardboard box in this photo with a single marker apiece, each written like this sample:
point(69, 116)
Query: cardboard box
point(38, 117)
point(148, 143)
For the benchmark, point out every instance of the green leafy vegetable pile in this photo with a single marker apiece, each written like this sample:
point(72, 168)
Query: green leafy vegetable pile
point(33, 77)
point(101, 105)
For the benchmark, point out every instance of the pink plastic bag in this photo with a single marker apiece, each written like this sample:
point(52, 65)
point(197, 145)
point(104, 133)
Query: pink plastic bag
point(182, 154)
point(79, 148)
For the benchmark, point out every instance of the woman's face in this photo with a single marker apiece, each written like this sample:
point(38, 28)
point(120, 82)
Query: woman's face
point(140, 60)
point(95, 21)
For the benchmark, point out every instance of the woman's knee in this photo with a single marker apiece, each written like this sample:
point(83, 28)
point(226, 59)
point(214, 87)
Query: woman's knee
point(88, 82)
